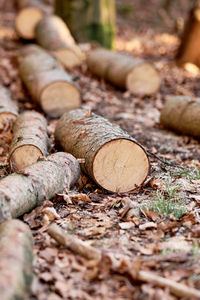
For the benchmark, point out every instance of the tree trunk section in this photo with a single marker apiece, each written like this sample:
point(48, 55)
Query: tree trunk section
point(30, 140)
point(96, 19)
point(49, 85)
point(124, 71)
point(53, 34)
point(16, 258)
point(189, 50)
point(8, 110)
point(181, 114)
point(21, 192)
point(113, 158)
point(30, 13)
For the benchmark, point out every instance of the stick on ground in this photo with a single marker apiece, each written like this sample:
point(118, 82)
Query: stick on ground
point(19, 193)
point(29, 141)
point(16, 258)
point(113, 158)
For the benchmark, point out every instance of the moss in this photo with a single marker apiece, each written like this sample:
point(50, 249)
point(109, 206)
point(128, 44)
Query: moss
point(104, 34)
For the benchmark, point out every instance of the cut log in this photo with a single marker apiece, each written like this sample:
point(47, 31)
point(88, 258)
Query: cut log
point(16, 259)
point(30, 140)
point(124, 71)
point(189, 50)
point(113, 158)
point(52, 33)
point(21, 192)
point(49, 86)
point(8, 110)
point(181, 114)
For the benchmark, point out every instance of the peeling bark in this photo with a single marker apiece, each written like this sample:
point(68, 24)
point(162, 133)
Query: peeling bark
point(16, 258)
point(21, 192)
point(30, 140)
point(8, 110)
point(112, 157)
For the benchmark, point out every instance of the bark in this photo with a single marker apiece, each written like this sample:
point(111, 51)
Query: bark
point(30, 13)
point(30, 140)
point(96, 19)
point(181, 114)
point(16, 258)
point(21, 192)
point(189, 50)
point(8, 110)
point(124, 71)
point(112, 157)
point(50, 86)
point(82, 248)
point(53, 34)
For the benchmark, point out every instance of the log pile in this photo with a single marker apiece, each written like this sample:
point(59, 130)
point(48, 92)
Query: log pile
point(30, 140)
point(53, 34)
point(124, 71)
point(8, 110)
point(113, 159)
point(49, 85)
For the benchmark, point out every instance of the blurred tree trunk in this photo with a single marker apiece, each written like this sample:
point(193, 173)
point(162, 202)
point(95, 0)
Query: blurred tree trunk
point(89, 20)
point(189, 50)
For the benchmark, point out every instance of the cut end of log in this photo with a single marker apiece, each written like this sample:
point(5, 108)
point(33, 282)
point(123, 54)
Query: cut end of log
point(7, 117)
point(120, 166)
point(68, 58)
point(24, 156)
point(26, 21)
point(143, 79)
point(59, 97)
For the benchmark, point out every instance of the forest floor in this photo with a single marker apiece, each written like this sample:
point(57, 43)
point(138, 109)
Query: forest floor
point(157, 226)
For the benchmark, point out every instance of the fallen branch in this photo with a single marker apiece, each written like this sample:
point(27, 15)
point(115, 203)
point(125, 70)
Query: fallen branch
point(113, 159)
point(19, 193)
point(82, 248)
point(8, 110)
point(29, 141)
point(16, 257)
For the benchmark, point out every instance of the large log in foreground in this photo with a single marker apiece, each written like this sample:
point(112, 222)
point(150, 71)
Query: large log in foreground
point(112, 157)
point(30, 140)
point(124, 71)
point(48, 84)
point(8, 110)
point(182, 114)
point(189, 50)
point(16, 258)
point(30, 13)
point(21, 192)
point(52, 33)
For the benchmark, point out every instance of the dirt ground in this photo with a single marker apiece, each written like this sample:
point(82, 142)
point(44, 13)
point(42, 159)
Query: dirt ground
point(157, 227)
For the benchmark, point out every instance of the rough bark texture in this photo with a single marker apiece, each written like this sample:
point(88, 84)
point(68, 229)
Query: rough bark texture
point(16, 258)
point(49, 85)
point(30, 13)
point(124, 71)
point(53, 34)
point(96, 19)
point(30, 140)
point(19, 193)
point(8, 110)
point(112, 158)
point(189, 50)
point(181, 113)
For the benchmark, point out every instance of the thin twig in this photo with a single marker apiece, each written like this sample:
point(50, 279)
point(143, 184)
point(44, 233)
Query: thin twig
point(171, 164)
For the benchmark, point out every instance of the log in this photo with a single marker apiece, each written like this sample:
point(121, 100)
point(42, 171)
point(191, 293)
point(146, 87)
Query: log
point(8, 110)
point(181, 114)
point(52, 34)
point(50, 86)
point(96, 19)
point(29, 141)
point(16, 259)
point(189, 50)
point(30, 13)
point(124, 71)
point(114, 160)
point(21, 192)
point(84, 249)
